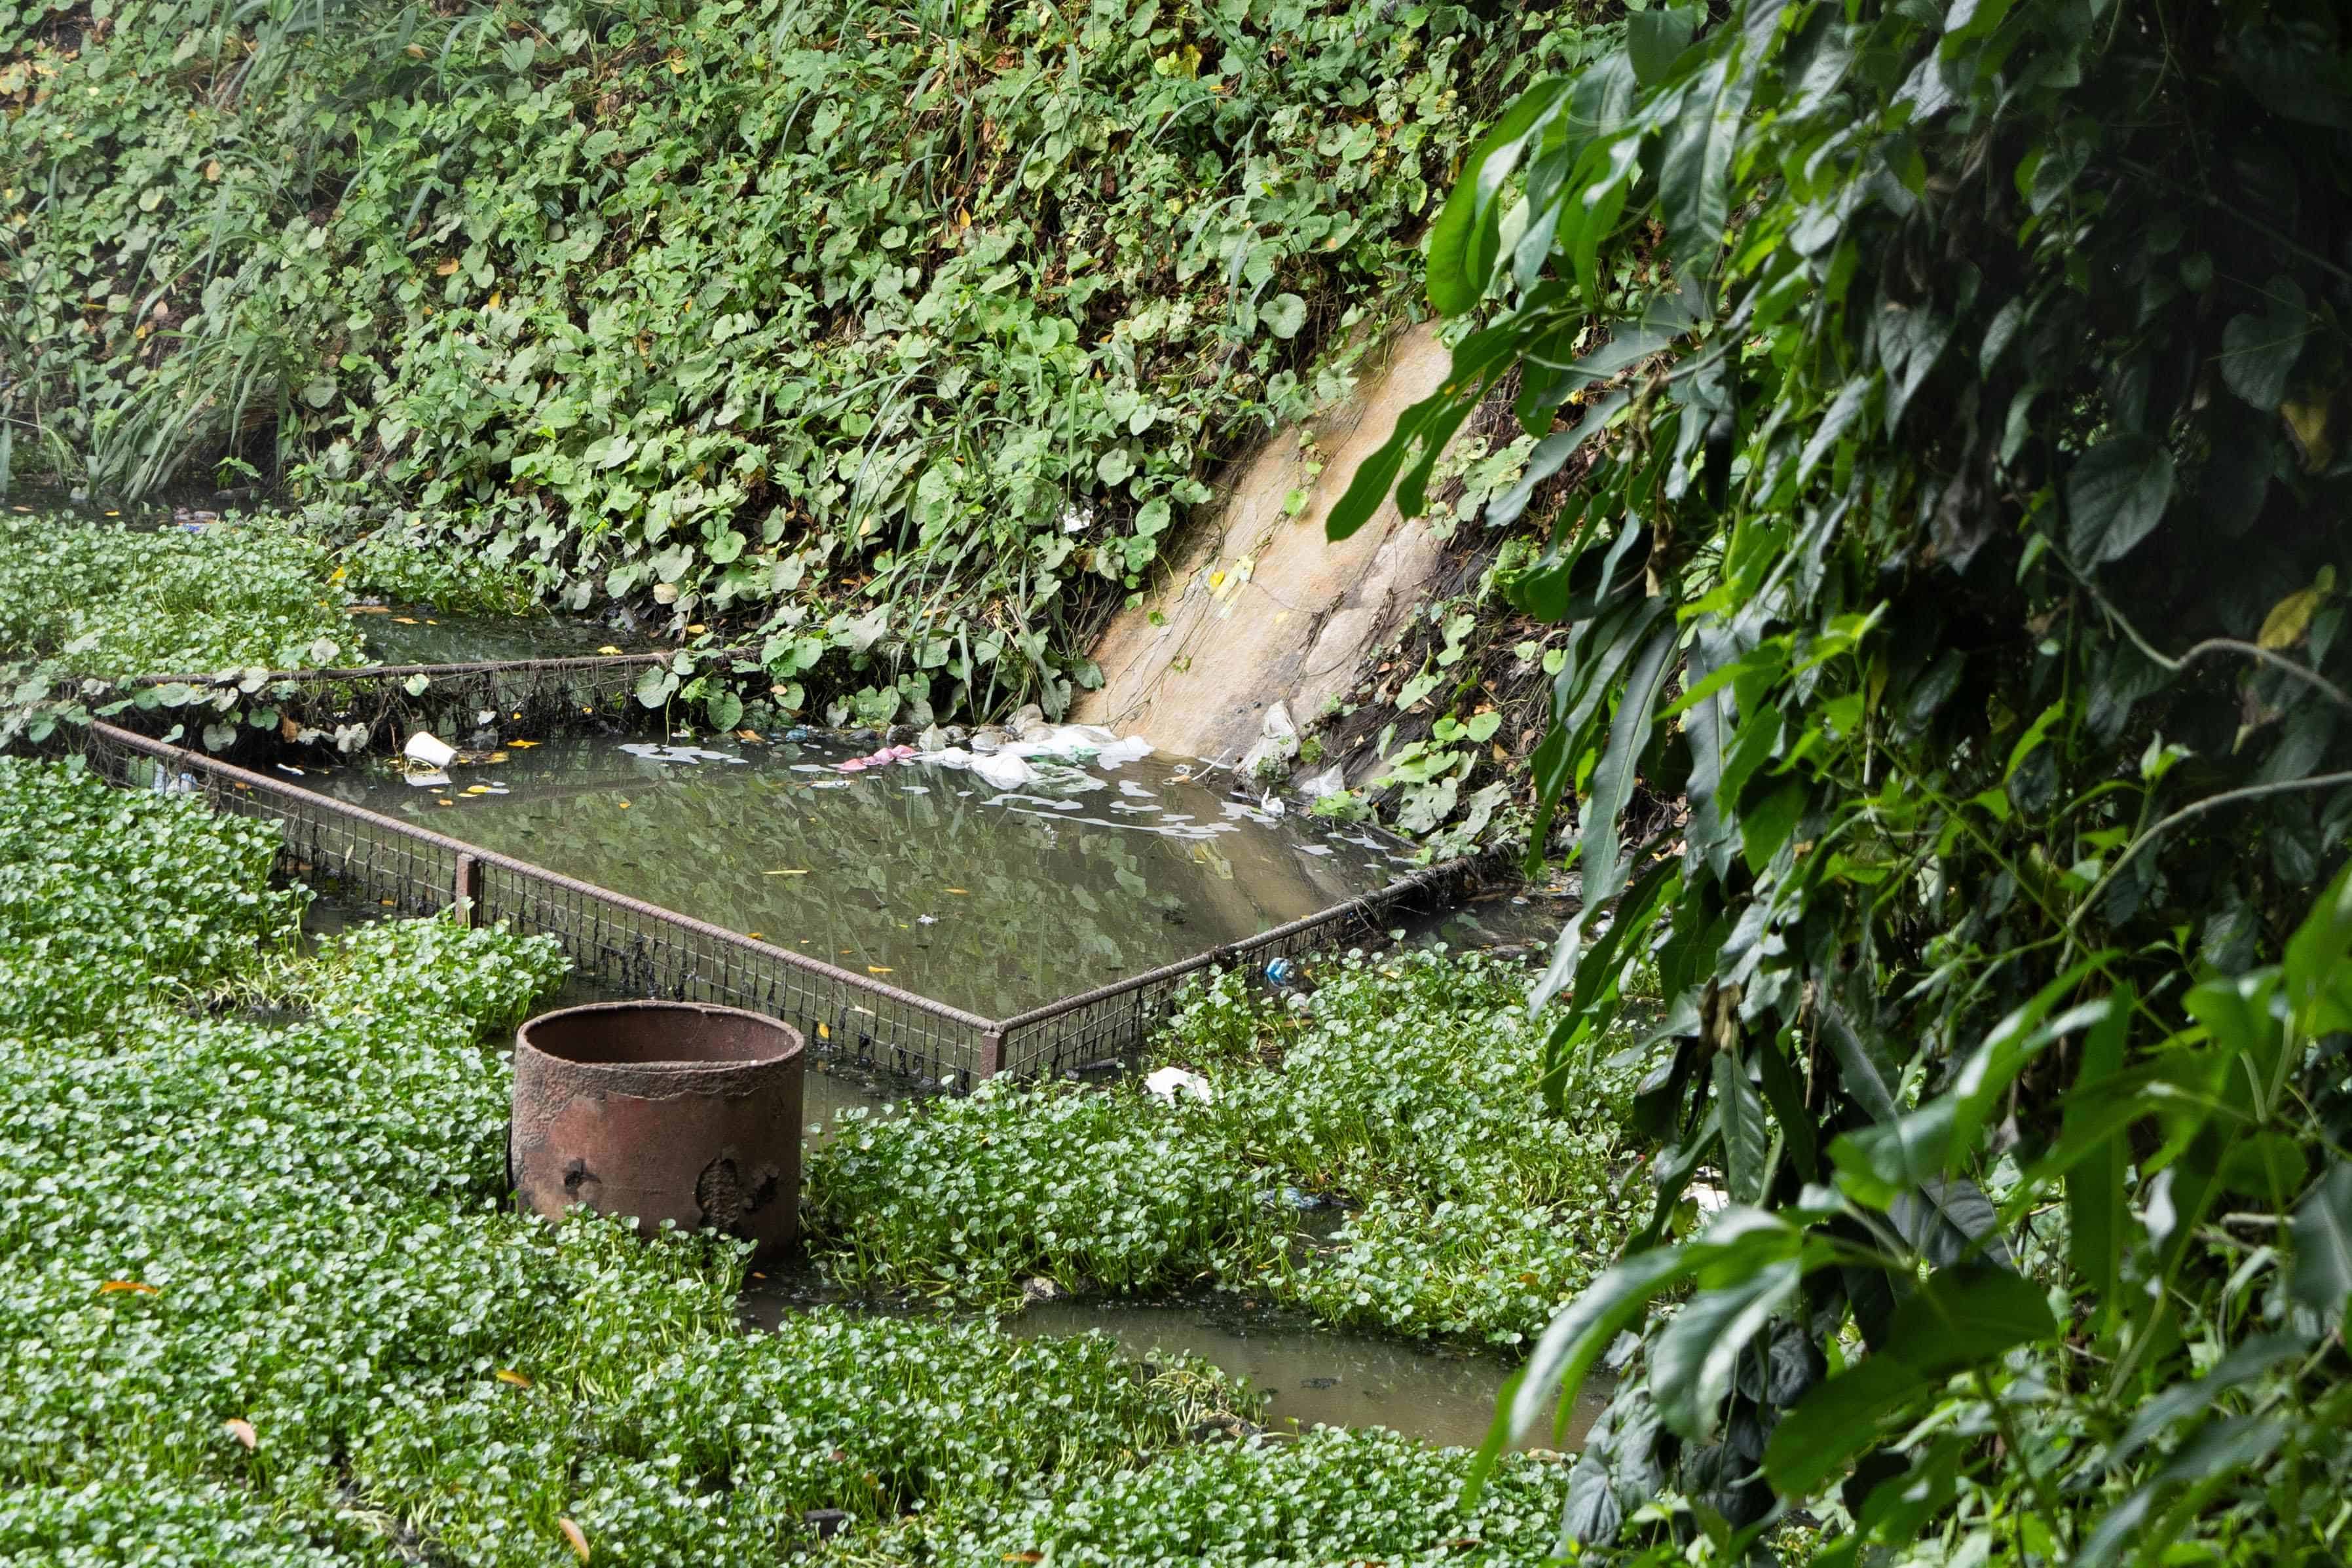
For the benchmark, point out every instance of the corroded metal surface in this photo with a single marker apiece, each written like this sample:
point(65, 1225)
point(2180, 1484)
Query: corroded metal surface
point(661, 1111)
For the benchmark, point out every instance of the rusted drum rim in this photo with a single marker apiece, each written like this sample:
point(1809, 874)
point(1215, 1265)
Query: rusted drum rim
point(698, 1075)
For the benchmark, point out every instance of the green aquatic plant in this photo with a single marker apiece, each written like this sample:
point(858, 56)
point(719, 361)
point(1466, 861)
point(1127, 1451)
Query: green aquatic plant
point(110, 600)
point(263, 1299)
point(1402, 1091)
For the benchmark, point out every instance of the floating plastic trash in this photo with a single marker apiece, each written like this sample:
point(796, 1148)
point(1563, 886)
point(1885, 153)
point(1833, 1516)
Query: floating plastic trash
point(1168, 1084)
point(425, 747)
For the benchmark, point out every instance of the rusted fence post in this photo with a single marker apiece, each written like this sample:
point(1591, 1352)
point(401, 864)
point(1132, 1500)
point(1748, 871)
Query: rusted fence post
point(466, 898)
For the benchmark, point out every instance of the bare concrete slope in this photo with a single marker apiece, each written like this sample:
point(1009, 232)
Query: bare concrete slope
point(1260, 608)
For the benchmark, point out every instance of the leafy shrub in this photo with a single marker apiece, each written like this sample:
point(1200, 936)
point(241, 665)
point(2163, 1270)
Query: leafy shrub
point(1406, 1088)
point(905, 333)
point(406, 562)
point(962, 1198)
point(113, 601)
point(1332, 1496)
point(1960, 537)
point(111, 897)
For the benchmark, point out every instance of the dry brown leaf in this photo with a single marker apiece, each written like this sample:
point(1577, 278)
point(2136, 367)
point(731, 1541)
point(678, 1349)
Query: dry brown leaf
point(446, 269)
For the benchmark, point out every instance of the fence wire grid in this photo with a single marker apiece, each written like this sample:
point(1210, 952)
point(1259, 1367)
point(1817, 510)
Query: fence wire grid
point(641, 949)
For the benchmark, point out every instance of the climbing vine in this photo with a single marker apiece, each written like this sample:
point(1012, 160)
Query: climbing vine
point(1960, 557)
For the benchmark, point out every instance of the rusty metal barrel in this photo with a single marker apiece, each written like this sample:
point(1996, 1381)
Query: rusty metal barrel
point(661, 1111)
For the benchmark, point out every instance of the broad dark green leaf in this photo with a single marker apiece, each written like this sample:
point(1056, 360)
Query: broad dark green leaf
point(1836, 1421)
point(2115, 495)
point(2322, 1231)
point(1745, 1140)
point(1692, 1361)
point(1964, 1317)
point(2096, 1215)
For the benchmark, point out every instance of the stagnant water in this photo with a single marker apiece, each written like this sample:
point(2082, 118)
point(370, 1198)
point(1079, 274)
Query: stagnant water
point(1311, 1376)
point(417, 633)
point(994, 900)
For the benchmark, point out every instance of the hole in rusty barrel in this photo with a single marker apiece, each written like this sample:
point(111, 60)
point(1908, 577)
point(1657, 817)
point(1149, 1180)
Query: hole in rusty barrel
point(662, 1110)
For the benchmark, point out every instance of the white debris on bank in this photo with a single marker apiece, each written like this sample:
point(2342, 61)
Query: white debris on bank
point(1168, 1084)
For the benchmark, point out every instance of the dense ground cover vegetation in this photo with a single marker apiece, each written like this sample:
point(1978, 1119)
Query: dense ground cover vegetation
point(902, 332)
point(262, 1299)
point(1403, 1090)
point(98, 599)
point(1961, 555)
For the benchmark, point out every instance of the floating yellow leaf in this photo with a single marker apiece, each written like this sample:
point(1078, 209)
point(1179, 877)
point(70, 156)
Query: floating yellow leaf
point(242, 1431)
point(404, 620)
point(501, 756)
point(747, 734)
point(507, 1374)
point(608, 648)
point(572, 1534)
point(522, 745)
point(113, 1287)
point(877, 969)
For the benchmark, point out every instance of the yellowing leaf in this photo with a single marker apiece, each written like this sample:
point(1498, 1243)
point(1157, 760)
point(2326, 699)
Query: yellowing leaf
point(213, 169)
point(696, 631)
point(608, 648)
point(497, 299)
point(824, 1033)
point(446, 268)
point(2289, 620)
point(624, 805)
point(877, 969)
point(960, 892)
point(507, 1374)
point(786, 872)
point(115, 1287)
point(756, 936)
point(574, 1535)
point(404, 620)
point(242, 1430)
point(522, 745)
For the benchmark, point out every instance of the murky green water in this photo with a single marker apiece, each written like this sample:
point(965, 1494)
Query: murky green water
point(1311, 1376)
point(416, 634)
point(928, 877)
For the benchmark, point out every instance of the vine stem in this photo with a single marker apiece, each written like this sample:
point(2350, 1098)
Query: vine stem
point(2198, 808)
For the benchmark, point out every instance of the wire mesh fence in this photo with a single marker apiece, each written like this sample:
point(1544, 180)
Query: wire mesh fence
point(640, 949)
point(368, 706)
